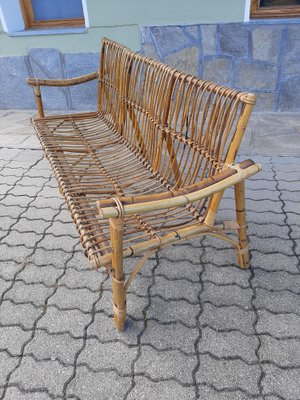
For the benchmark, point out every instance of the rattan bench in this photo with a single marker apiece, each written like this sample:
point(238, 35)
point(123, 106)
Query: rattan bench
point(150, 166)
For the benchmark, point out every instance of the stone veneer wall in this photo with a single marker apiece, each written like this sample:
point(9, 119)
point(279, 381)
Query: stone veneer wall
point(260, 57)
point(263, 58)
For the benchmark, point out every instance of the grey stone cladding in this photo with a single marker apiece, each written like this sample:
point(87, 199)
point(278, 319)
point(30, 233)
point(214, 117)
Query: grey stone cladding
point(262, 57)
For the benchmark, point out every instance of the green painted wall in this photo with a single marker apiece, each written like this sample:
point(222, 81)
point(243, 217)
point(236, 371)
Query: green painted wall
point(120, 20)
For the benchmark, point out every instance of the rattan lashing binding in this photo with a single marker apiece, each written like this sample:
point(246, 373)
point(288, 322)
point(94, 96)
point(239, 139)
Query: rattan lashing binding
point(150, 166)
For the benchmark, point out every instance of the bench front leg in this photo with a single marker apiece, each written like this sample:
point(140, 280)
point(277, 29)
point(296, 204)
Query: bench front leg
point(118, 281)
point(243, 253)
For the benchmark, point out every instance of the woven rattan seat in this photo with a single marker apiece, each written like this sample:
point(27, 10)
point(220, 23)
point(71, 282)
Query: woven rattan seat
point(150, 166)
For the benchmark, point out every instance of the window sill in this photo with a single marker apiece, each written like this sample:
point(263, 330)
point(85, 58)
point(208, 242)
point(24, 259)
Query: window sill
point(48, 31)
point(273, 21)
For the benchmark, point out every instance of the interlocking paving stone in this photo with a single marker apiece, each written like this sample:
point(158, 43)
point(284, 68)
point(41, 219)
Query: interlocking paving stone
point(186, 270)
point(135, 304)
point(226, 275)
point(65, 298)
point(185, 252)
point(106, 385)
point(169, 336)
point(4, 285)
point(32, 273)
point(278, 325)
point(39, 375)
point(145, 389)
point(103, 330)
point(88, 279)
point(274, 262)
point(117, 356)
point(12, 339)
point(66, 321)
point(172, 311)
point(283, 352)
point(61, 347)
point(285, 383)
point(277, 301)
point(27, 225)
point(225, 318)
point(229, 344)
point(226, 295)
point(14, 393)
point(275, 280)
point(181, 290)
point(228, 374)
point(8, 363)
point(21, 314)
point(164, 365)
point(31, 293)
point(27, 239)
point(9, 269)
point(208, 393)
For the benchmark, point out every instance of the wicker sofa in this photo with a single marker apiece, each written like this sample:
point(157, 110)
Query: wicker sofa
point(150, 166)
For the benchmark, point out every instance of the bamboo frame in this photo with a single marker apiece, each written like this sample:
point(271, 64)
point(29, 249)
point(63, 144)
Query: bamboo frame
point(31, 23)
point(256, 11)
point(150, 166)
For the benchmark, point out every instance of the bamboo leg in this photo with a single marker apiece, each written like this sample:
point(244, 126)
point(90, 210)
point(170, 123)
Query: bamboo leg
point(118, 283)
point(39, 101)
point(243, 253)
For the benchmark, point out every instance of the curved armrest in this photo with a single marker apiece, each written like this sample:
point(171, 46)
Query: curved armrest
point(62, 82)
point(232, 175)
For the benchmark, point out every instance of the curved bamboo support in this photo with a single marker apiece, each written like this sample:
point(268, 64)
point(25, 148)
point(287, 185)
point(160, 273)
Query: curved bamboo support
point(63, 82)
point(181, 200)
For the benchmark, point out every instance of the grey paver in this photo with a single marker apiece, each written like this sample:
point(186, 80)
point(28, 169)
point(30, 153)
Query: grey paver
point(45, 375)
point(277, 280)
point(170, 336)
point(227, 318)
point(66, 321)
point(228, 374)
point(117, 356)
point(31, 293)
point(173, 310)
point(283, 352)
point(13, 338)
point(8, 363)
point(98, 385)
point(278, 325)
point(103, 329)
point(169, 290)
point(229, 344)
point(277, 301)
point(21, 314)
point(61, 347)
point(226, 295)
point(81, 299)
point(209, 393)
point(285, 383)
point(162, 365)
point(13, 393)
point(169, 390)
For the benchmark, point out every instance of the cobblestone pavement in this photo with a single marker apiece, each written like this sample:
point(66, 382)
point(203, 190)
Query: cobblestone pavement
point(198, 326)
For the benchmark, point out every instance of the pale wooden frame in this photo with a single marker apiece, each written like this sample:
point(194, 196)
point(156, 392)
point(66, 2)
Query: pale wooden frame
point(273, 12)
point(31, 23)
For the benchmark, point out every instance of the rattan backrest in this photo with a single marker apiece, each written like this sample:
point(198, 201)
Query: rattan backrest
point(185, 127)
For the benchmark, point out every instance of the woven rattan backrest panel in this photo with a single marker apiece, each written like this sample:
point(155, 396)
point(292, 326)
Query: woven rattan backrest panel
point(182, 125)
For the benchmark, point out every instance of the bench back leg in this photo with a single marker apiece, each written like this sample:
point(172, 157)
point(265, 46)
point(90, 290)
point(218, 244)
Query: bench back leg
point(243, 253)
point(118, 282)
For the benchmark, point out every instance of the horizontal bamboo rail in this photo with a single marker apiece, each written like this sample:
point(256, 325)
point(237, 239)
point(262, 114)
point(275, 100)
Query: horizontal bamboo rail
point(63, 82)
point(180, 200)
